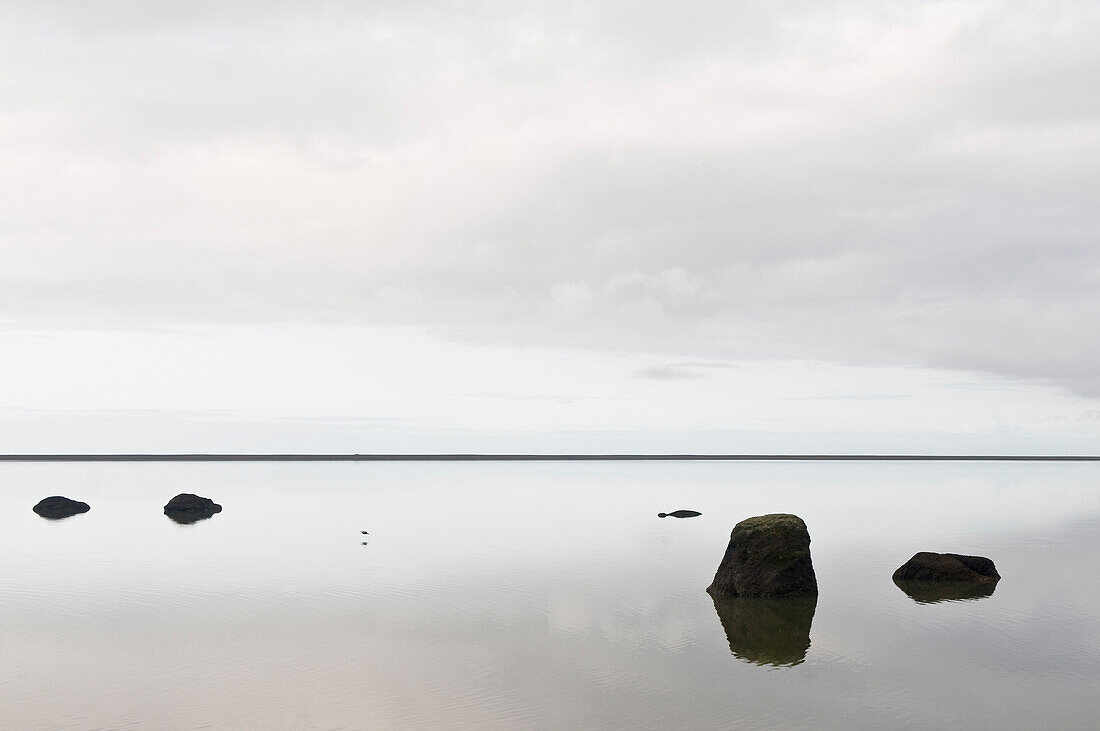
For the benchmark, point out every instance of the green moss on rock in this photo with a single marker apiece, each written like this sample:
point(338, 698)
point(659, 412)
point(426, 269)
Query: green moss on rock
point(767, 556)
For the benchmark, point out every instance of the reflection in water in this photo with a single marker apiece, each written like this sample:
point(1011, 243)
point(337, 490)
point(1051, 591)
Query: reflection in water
point(541, 612)
point(933, 592)
point(768, 631)
point(187, 517)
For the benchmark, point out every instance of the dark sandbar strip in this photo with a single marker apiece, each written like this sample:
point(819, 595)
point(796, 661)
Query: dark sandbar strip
point(547, 458)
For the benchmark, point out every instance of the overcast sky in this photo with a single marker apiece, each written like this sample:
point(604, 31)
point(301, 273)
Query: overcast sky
point(648, 203)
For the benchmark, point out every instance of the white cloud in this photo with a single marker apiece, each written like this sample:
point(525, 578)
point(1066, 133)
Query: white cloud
point(906, 183)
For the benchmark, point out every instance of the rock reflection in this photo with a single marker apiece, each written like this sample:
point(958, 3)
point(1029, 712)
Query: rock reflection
point(934, 592)
point(768, 631)
point(188, 518)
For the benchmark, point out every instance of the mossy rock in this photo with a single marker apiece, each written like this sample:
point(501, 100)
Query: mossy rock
point(929, 566)
point(57, 507)
point(767, 556)
point(188, 508)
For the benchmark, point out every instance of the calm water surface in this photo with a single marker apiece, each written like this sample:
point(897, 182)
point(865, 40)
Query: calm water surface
point(541, 595)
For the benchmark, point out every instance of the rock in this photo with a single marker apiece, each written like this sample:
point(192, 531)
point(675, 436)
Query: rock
point(934, 592)
point(926, 566)
point(680, 514)
point(188, 508)
point(768, 631)
point(767, 556)
point(56, 507)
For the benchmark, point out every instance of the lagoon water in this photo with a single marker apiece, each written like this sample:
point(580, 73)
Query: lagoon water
point(541, 595)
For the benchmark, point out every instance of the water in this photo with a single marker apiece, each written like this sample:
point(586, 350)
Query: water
point(540, 595)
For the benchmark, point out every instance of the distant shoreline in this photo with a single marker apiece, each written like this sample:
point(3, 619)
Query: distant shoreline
point(547, 458)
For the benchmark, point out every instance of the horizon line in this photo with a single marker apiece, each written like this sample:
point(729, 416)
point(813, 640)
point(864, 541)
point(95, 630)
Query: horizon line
point(535, 457)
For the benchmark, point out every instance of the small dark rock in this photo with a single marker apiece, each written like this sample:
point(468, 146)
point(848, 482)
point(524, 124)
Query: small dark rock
point(768, 631)
point(926, 566)
point(934, 592)
point(680, 514)
point(767, 556)
point(57, 507)
point(188, 508)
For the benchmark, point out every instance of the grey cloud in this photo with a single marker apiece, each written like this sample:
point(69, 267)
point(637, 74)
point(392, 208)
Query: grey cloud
point(681, 371)
point(911, 183)
point(851, 397)
point(666, 373)
point(702, 364)
point(556, 398)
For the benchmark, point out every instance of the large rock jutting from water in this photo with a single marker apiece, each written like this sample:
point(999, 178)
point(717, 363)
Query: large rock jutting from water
point(56, 507)
point(188, 508)
point(767, 556)
point(927, 566)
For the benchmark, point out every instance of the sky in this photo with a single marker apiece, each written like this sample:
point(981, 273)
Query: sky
point(527, 226)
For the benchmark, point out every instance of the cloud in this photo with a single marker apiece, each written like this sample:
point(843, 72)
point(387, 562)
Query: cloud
point(687, 370)
point(909, 183)
point(666, 373)
point(851, 397)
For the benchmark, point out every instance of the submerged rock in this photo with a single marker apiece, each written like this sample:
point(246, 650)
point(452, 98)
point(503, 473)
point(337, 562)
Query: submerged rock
point(188, 508)
point(934, 592)
point(767, 556)
point(57, 507)
point(927, 566)
point(680, 514)
point(768, 631)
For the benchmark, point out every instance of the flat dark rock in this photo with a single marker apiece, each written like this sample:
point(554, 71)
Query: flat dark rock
point(680, 514)
point(768, 631)
point(927, 566)
point(57, 507)
point(767, 556)
point(934, 592)
point(188, 508)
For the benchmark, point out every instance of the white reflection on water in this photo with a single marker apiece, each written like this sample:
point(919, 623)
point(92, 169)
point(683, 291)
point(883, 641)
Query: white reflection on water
point(536, 595)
